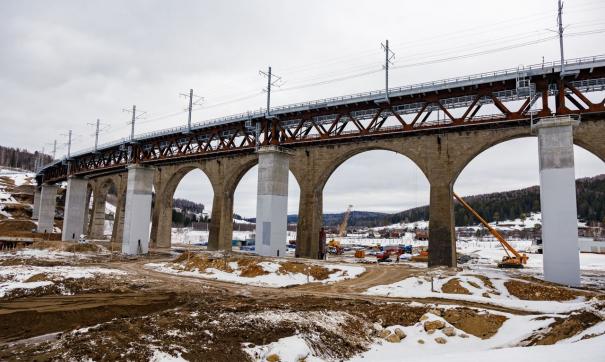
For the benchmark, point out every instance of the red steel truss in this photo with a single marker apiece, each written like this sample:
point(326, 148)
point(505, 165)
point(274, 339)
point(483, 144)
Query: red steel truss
point(489, 103)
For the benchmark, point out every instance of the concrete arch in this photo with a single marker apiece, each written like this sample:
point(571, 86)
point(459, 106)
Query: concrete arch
point(342, 153)
point(166, 182)
point(313, 167)
point(101, 188)
point(588, 135)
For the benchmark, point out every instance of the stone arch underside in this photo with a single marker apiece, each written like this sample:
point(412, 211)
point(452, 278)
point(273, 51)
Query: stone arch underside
point(166, 181)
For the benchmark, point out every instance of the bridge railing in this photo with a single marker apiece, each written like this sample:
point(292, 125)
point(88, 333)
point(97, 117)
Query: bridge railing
point(370, 95)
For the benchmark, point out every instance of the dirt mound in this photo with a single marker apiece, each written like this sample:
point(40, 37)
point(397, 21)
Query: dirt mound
point(453, 287)
point(395, 314)
point(486, 281)
point(191, 261)
point(40, 277)
point(67, 246)
point(483, 325)
point(83, 248)
point(26, 189)
point(18, 211)
point(316, 271)
point(536, 291)
point(9, 226)
point(6, 181)
point(23, 197)
point(563, 328)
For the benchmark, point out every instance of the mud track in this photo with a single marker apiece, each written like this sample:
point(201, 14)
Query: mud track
point(28, 317)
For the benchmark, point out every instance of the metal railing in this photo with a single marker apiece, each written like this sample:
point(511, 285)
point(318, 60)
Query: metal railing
point(534, 69)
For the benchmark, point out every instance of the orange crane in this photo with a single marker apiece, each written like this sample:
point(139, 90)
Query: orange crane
point(342, 229)
point(517, 260)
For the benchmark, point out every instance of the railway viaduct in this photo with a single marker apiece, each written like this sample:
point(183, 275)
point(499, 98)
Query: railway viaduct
point(441, 126)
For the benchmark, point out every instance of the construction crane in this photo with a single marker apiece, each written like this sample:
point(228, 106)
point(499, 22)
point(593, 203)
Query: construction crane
point(516, 260)
point(342, 229)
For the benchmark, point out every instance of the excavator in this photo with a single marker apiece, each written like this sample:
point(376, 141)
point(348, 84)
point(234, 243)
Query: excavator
point(516, 260)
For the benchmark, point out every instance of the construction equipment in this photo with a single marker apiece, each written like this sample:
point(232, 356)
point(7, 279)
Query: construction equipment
point(517, 260)
point(334, 247)
point(385, 255)
point(422, 257)
point(360, 254)
point(342, 229)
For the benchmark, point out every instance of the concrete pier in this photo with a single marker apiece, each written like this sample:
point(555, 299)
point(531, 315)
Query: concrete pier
point(272, 202)
point(137, 215)
point(36, 206)
point(558, 200)
point(48, 204)
point(75, 209)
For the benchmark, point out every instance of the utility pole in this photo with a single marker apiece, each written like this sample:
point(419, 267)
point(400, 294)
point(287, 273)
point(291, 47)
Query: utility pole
point(97, 131)
point(388, 57)
point(134, 117)
point(560, 24)
point(191, 104)
point(133, 120)
point(55, 150)
point(270, 82)
point(68, 144)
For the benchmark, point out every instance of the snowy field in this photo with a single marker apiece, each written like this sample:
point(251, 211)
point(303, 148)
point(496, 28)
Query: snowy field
point(498, 348)
point(14, 277)
point(274, 276)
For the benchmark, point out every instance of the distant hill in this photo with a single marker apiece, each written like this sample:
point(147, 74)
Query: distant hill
point(507, 205)
point(21, 158)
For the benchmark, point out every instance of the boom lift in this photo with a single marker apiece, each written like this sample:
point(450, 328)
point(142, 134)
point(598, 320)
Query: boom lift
point(517, 260)
point(342, 229)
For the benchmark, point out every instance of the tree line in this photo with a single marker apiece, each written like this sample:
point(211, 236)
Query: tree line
point(498, 206)
point(22, 158)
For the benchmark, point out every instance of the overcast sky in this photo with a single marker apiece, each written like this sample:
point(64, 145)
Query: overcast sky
point(64, 64)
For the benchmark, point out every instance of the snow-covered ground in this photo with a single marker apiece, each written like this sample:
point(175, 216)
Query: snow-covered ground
point(46, 254)
point(499, 348)
point(19, 178)
point(191, 236)
point(430, 286)
point(274, 278)
point(530, 222)
point(14, 277)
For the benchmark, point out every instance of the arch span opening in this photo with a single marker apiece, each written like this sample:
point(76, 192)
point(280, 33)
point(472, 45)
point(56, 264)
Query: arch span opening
point(189, 195)
point(244, 207)
point(502, 184)
point(389, 195)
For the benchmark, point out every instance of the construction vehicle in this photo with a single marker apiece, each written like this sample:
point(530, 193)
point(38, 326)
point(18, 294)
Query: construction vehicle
point(516, 260)
point(342, 229)
point(422, 257)
point(385, 255)
point(334, 247)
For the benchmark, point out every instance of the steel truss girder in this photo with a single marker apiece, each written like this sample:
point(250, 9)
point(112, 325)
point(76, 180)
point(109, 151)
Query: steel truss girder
point(410, 113)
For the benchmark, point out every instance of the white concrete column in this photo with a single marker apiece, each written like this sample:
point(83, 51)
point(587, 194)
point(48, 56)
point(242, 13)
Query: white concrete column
point(36, 206)
point(48, 204)
point(272, 202)
point(75, 209)
point(137, 215)
point(558, 200)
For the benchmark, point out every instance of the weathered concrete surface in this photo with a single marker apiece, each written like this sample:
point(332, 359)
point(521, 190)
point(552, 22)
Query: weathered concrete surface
point(272, 202)
point(75, 209)
point(558, 201)
point(100, 190)
point(138, 210)
point(48, 204)
point(36, 206)
point(224, 175)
